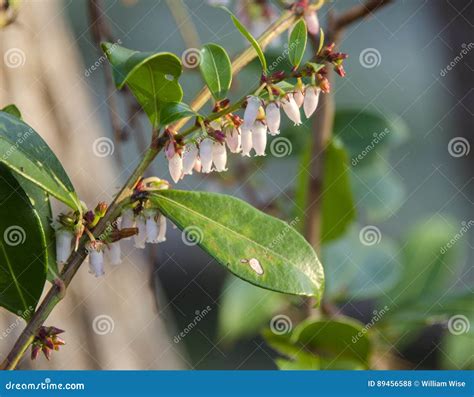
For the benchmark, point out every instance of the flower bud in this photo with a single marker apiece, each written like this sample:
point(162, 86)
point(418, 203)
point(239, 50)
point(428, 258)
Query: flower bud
point(246, 140)
point(219, 156)
point(96, 257)
point(311, 101)
point(273, 118)
point(114, 253)
point(176, 167)
point(291, 109)
point(232, 138)
point(63, 245)
point(251, 111)
point(205, 154)
point(189, 160)
point(259, 138)
point(162, 224)
point(140, 238)
point(312, 21)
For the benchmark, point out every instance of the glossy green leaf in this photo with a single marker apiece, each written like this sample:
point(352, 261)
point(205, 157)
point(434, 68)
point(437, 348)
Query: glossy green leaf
point(174, 111)
point(300, 361)
point(338, 207)
point(297, 43)
point(244, 309)
point(216, 70)
point(367, 133)
point(152, 77)
point(23, 258)
point(254, 246)
point(243, 30)
point(27, 154)
point(13, 110)
point(340, 343)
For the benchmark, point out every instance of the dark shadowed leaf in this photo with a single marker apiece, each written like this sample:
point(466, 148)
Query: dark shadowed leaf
point(27, 154)
point(254, 246)
point(216, 69)
point(23, 257)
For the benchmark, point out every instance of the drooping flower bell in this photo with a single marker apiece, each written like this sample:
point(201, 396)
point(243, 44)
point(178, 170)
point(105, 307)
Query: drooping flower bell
point(219, 156)
point(298, 96)
point(205, 154)
point(162, 225)
point(246, 140)
point(312, 21)
point(64, 239)
point(251, 111)
point(151, 226)
point(140, 238)
point(96, 257)
point(127, 220)
point(189, 159)
point(311, 100)
point(273, 118)
point(291, 109)
point(232, 138)
point(114, 253)
point(176, 167)
point(259, 137)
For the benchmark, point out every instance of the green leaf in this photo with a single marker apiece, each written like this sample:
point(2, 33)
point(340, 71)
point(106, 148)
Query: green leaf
point(174, 111)
point(243, 30)
point(457, 350)
point(13, 110)
point(244, 309)
point(238, 236)
point(300, 361)
point(27, 154)
point(216, 69)
point(152, 77)
point(338, 208)
point(366, 133)
point(23, 258)
point(341, 343)
point(297, 43)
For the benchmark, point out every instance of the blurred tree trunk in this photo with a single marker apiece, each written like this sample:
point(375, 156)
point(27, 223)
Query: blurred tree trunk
point(47, 82)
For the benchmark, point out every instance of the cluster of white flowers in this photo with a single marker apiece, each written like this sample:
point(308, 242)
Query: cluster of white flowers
point(210, 154)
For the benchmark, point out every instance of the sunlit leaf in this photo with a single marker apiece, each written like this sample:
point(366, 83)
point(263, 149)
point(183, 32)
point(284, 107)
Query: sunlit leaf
point(216, 69)
point(297, 43)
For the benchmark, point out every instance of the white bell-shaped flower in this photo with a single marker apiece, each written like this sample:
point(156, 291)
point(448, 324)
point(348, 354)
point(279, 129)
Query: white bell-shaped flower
point(162, 224)
point(127, 220)
point(273, 118)
point(232, 138)
point(151, 227)
point(291, 109)
point(205, 154)
point(96, 257)
point(198, 165)
point(189, 159)
point(311, 100)
point(219, 156)
point(251, 111)
point(312, 22)
point(114, 253)
point(259, 138)
point(140, 238)
point(175, 165)
point(246, 140)
point(298, 96)
point(63, 245)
